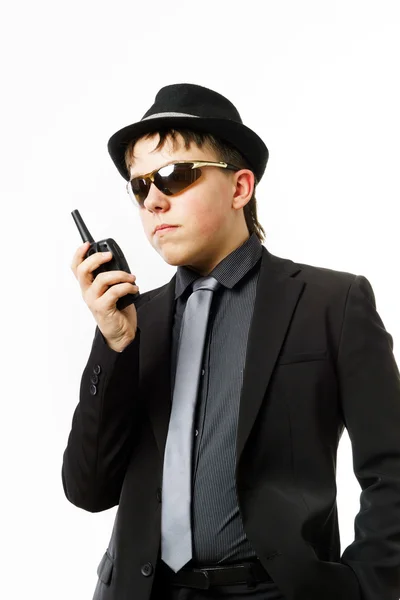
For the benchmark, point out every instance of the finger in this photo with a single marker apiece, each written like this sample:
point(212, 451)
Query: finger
point(84, 270)
point(79, 256)
point(110, 278)
point(108, 300)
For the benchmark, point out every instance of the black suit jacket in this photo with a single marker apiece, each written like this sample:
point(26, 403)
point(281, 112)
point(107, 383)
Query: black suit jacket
point(318, 359)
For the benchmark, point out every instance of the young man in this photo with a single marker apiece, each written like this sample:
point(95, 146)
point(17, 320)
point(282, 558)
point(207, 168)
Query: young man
point(211, 409)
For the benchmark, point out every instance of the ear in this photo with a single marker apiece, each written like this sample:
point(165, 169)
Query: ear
point(243, 188)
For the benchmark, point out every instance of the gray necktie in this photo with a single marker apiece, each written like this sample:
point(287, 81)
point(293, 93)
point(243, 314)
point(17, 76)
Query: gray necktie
point(176, 534)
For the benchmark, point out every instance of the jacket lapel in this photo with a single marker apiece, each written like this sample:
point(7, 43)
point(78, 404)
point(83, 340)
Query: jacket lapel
point(276, 298)
point(155, 323)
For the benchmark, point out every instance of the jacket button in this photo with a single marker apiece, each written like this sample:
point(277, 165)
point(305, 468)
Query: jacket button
point(94, 379)
point(93, 390)
point(96, 369)
point(147, 569)
point(159, 494)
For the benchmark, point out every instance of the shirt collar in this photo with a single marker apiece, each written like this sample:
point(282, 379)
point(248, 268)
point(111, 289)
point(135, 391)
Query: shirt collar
point(229, 271)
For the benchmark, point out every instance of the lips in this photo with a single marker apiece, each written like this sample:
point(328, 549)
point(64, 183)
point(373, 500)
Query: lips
point(165, 228)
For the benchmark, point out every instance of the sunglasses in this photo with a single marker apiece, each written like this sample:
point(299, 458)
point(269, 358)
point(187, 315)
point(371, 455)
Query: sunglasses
point(170, 179)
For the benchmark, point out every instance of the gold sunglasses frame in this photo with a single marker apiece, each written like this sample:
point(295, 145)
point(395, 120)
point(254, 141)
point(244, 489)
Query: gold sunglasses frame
point(149, 177)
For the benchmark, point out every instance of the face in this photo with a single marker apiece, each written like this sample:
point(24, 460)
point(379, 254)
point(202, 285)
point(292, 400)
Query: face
point(208, 214)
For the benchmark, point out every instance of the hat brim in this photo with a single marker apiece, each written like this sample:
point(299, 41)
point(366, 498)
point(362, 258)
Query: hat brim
point(249, 144)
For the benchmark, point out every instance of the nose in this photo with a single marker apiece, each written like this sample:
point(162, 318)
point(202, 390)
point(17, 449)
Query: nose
point(156, 199)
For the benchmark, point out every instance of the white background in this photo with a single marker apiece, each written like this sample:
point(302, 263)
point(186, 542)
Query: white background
point(318, 81)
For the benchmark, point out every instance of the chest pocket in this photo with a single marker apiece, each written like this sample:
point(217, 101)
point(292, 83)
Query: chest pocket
point(295, 357)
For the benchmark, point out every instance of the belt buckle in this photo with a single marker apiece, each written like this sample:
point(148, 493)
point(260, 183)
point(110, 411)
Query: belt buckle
point(201, 580)
point(206, 579)
point(248, 578)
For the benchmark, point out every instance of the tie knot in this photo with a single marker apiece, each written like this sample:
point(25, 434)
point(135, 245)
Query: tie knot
point(206, 283)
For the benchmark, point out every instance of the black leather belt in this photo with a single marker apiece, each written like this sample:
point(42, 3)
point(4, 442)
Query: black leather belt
point(206, 577)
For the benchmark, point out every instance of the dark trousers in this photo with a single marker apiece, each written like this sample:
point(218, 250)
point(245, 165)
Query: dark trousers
point(163, 590)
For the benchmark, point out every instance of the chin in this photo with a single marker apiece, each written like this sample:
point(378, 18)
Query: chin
point(174, 257)
point(175, 262)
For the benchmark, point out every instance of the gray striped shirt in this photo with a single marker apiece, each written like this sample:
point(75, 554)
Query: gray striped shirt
point(218, 534)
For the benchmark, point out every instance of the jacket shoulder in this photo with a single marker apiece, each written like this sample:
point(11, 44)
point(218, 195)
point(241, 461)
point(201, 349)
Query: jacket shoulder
point(314, 274)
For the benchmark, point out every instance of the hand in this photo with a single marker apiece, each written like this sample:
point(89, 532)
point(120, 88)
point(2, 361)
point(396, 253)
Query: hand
point(117, 326)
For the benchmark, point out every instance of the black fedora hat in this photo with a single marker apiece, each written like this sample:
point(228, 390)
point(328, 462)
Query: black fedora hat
point(187, 105)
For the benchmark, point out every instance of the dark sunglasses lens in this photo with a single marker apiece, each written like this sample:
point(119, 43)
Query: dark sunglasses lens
point(140, 189)
point(172, 179)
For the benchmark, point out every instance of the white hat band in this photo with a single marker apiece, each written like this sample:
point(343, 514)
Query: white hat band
point(170, 114)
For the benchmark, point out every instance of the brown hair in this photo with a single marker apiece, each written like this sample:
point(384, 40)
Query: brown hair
point(224, 151)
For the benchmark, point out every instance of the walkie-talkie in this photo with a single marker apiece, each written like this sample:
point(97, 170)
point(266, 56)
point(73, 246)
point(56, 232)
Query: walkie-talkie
point(116, 263)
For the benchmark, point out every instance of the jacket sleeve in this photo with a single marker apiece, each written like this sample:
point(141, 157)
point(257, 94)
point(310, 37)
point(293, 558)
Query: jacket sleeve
point(103, 427)
point(369, 382)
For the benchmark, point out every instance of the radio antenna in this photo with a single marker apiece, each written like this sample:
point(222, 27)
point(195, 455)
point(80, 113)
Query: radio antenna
point(83, 230)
